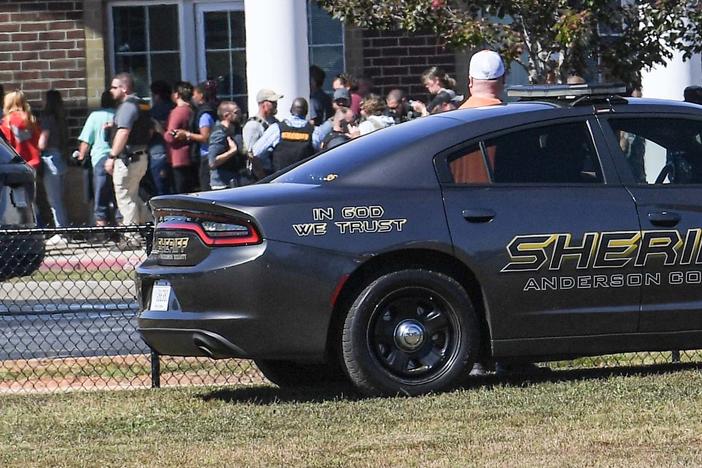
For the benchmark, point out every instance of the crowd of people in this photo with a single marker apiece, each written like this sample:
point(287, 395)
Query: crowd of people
point(186, 139)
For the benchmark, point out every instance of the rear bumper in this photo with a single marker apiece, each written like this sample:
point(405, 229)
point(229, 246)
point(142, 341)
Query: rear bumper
point(271, 301)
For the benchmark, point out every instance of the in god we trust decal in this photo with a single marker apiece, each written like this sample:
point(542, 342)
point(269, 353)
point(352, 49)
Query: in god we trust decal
point(349, 220)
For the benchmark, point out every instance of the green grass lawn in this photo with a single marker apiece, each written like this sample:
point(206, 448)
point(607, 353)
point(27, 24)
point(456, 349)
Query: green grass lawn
point(645, 417)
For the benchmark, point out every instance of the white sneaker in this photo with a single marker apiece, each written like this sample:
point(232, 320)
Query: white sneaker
point(56, 239)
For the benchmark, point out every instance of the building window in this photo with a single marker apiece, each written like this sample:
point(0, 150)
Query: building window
point(165, 40)
point(225, 53)
point(326, 42)
point(146, 43)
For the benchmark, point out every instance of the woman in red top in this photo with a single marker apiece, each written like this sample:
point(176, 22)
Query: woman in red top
point(20, 128)
point(178, 141)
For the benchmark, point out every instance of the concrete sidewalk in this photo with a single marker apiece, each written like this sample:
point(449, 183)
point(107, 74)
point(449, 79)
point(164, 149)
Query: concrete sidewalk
point(84, 256)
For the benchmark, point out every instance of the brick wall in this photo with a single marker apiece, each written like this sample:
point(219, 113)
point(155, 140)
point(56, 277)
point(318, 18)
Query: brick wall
point(397, 60)
point(42, 46)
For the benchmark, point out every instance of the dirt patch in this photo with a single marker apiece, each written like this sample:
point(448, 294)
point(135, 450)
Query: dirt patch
point(120, 372)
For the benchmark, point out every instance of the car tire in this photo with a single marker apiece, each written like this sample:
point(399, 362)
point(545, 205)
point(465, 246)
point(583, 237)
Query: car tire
point(410, 332)
point(287, 374)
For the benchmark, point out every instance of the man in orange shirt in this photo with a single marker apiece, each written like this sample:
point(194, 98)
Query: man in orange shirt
point(486, 79)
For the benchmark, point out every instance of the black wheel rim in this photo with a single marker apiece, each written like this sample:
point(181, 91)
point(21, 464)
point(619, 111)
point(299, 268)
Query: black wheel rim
point(414, 334)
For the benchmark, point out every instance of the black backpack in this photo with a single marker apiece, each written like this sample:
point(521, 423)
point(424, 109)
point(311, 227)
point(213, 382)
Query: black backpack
point(334, 139)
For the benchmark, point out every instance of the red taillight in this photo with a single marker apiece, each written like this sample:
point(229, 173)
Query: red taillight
point(217, 233)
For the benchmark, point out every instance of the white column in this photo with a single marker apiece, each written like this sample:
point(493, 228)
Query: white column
point(276, 50)
point(670, 80)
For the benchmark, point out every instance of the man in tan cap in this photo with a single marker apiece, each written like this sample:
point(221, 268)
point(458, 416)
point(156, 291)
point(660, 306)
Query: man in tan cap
point(486, 79)
point(267, 100)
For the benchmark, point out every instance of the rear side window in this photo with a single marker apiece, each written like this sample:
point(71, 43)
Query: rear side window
point(555, 154)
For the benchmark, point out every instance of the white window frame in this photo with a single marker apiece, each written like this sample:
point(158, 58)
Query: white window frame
point(200, 10)
point(190, 33)
point(187, 40)
point(111, 29)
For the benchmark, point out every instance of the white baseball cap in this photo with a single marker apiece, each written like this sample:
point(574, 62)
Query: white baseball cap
point(486, 65)
point(267, 95)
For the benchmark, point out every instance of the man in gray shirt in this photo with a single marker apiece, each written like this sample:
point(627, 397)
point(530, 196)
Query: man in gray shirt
point(267, 108)
point(128, 159)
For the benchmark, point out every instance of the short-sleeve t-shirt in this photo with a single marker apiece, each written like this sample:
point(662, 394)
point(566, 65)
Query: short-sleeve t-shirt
point(93, 133)
point(22, 136)
point(48, 123)
point(127, 113)
point(206, 120)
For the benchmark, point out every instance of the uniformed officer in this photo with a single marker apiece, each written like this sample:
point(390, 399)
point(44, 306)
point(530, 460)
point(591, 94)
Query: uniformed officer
point(128, 159)
point(286, 142)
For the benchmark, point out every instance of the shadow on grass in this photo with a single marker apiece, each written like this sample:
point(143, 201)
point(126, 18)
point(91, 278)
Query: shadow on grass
point(267, 395)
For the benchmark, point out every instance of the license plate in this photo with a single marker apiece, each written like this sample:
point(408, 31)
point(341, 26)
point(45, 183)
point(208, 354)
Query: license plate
point(160, 297)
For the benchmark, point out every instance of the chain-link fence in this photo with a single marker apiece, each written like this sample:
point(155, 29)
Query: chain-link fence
point(68, 312)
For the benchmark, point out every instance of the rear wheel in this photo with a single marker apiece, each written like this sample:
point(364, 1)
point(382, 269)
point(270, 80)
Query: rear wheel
point(410, 332)
point(287, 374)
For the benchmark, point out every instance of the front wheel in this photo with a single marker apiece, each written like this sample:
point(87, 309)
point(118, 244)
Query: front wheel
point(410, 332)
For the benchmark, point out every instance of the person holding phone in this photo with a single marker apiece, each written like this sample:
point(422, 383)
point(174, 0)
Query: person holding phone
point(178, 142)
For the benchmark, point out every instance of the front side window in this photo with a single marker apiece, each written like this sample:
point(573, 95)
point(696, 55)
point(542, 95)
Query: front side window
point(660, 151)
point(555, 154)
point(146, 43)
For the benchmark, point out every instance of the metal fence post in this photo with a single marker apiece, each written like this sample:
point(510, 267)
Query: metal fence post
point(149, 236)
point(155, 370)
point(675, 356)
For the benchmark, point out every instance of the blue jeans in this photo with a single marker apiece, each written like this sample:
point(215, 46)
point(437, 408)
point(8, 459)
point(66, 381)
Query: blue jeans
point(54, 168)
point(104, 191)
point(160, 173)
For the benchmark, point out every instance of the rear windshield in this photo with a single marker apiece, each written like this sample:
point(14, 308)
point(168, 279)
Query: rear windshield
point(343, 160)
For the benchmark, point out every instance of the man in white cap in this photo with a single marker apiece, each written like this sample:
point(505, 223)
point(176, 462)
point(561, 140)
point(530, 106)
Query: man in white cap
point(486, 79)
point(267, 100)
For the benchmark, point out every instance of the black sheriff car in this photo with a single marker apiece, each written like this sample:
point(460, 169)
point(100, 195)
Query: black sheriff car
point(566, 224)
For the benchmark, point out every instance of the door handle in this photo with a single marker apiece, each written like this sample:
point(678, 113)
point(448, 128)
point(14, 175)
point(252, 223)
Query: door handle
point(664, 218)
point(479, 215)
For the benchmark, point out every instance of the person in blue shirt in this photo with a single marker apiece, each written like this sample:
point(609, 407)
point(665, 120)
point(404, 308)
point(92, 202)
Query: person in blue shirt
point(95, 145)
point(286, 142)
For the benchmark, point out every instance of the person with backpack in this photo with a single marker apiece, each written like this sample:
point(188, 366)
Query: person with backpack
point(286, 142)
point(128, 159)
point(255, 127)
point(339, 133)
point(204, 102)
point(227, 159)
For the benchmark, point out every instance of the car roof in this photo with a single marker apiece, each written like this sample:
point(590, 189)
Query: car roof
point(397, 155)
point(522, 107)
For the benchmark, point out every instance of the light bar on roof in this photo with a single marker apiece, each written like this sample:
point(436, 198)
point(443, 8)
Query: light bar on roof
point(565, 90)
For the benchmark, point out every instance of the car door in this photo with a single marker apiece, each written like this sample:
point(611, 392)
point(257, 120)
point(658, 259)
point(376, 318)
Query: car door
point(660, 159)
point(542, 220)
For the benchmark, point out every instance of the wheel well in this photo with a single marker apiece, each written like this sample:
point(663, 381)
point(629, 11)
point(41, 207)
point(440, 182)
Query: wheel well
point(401, 260)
